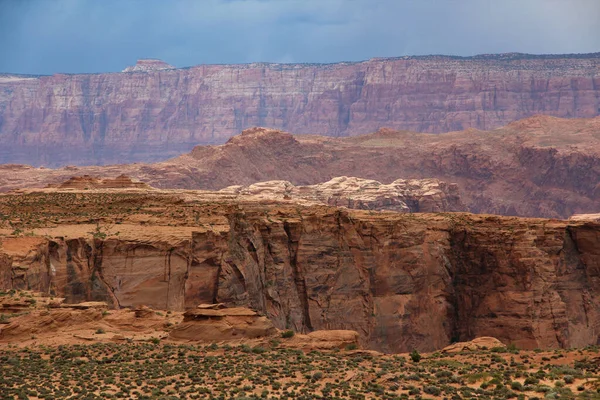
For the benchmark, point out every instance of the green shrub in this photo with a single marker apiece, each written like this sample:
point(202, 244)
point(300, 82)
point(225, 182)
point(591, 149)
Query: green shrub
point(530, 380)
point(415, 356)
point(512, 348)
point(432, 390)
point(287, 334)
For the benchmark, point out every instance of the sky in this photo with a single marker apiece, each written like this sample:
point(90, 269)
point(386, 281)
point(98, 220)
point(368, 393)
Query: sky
point(71, 36)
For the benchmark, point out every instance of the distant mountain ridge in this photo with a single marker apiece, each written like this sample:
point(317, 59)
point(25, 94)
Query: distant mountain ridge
point(155, 111)
point(538, 167)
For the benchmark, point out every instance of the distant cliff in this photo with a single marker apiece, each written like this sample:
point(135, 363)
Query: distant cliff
point(539, 166)
point(153, 111)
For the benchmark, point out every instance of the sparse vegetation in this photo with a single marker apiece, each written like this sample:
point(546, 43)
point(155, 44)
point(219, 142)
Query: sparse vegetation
point(415, 356)
point(155, 370)
point(287, 334)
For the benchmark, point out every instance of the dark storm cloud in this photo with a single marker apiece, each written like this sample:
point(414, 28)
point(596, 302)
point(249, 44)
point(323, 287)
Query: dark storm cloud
point(47, 36)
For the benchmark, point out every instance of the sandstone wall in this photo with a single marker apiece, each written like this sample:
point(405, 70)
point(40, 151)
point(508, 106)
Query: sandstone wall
point(401, 281)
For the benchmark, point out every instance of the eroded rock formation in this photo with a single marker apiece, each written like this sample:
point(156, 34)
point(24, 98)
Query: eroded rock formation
point(89, 182)
point(537, 167)
point(225, 324)
point(477, 344)
point(414, 195)
point(152, 111)
point(402, 281)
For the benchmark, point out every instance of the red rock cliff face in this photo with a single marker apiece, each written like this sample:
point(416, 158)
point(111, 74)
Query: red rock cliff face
point(402, 281)
point(155, 112)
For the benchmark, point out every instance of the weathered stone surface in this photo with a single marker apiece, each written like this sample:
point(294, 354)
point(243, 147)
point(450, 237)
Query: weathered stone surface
point(223, 324)
point(90, 182)
point(476, 344)
point(402, 281)
point(147, 65)
point(585, 217)
point(217, 306)
point(87, 305)
point(414, 195)
point(152, 112)
point(47, 323)
point(122, 273)
point(323, 340)
point(74, 323)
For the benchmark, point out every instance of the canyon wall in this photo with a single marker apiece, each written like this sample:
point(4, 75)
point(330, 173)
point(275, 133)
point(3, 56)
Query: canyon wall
point(154, 111)
point(540, 166)
point(402, 281)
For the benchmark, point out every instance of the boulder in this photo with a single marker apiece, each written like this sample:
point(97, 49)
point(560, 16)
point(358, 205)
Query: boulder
point(481, 343)
point(224, 324)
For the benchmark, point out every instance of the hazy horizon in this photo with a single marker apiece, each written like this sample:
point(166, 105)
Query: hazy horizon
point(85, 36)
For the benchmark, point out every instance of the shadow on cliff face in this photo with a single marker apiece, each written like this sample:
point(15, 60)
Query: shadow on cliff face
point(402, 281)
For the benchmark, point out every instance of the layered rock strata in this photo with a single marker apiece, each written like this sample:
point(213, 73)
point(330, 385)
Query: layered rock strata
point(203, 324)
point(152, 111)
point(402, 281)
point(414, 195)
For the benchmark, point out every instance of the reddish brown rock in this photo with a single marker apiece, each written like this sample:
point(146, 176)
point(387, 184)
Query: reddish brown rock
point(222, 324)
point(477, 344)
point(402, 281)
point(87, 305)
point(153, 112)
point(324, 340)
point(47, 323)
point(90, 182)
point(539, 167)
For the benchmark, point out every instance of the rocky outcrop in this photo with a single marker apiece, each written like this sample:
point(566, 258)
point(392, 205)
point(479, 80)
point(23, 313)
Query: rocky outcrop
point(48, 323)
point(323, 340)
point(152, 111)
point(477, 344)
point(86, 182)
point(24, 320)
point(148, 65)
point(203, 324)
point(402, 281)
point(414, 195)
point(87, 305)
point(43, 323)
point(585, 217)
